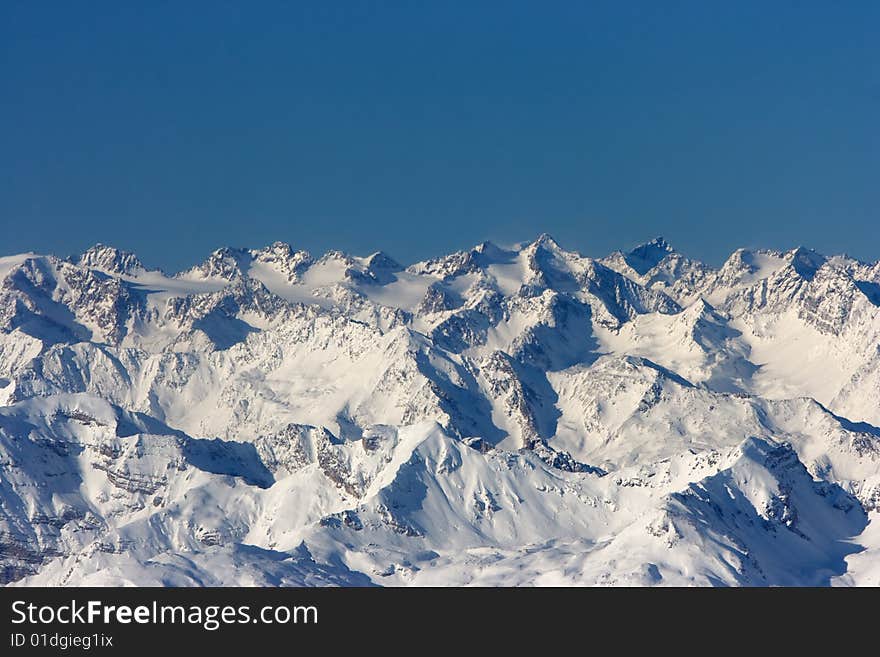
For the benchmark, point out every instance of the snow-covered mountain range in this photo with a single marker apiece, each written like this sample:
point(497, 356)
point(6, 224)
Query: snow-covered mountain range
point(497, 416)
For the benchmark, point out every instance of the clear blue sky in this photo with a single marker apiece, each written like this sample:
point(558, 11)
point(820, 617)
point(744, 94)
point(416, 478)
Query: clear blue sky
point(172, 128)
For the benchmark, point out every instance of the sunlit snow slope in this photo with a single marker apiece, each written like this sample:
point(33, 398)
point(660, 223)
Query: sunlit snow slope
point(498, 416)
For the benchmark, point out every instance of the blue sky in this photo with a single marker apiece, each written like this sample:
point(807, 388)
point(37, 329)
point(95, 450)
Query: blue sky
point(172, 128)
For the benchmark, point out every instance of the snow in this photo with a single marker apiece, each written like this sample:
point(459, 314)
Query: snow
point(796, 359)
point(863, 567)
point(406, 292)
point(278, 284)
point(159, 288)
point(495, 417)
point(325, 272)
point(763, 263)
point(8, 263)
point(509, 276)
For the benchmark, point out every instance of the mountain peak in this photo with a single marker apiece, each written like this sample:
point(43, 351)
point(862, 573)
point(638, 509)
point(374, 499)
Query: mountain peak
point(277, 247)
point(658, 244)
point(382, 261)
point(806, 262)
point(646, 256)
point(505, 409)
point(109, 259)
point(280, 251)
point(488, 252)
point(486, 246)
point(226, 262)
point(546, 240)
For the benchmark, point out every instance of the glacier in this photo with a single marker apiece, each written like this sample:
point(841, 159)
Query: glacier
point(499, 416)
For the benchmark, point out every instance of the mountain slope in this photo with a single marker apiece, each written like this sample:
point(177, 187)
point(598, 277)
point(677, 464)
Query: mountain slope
point(521, 415)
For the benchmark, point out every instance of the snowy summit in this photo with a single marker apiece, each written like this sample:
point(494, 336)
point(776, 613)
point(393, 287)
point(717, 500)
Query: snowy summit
point(523, 416)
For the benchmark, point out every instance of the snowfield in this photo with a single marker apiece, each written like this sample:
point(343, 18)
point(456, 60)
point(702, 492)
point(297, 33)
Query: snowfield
point(494, 417)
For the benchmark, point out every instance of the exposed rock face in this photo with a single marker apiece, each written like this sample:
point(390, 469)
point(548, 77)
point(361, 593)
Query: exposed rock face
point(523, 415)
